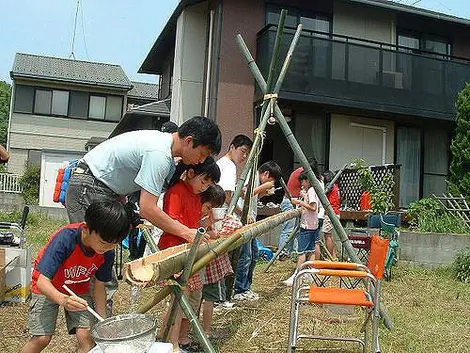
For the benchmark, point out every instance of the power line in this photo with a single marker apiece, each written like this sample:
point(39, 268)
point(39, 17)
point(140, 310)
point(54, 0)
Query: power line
point(72, 54)
point(83, 31)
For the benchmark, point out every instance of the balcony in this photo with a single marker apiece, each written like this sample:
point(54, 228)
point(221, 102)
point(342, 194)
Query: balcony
point(353, 73)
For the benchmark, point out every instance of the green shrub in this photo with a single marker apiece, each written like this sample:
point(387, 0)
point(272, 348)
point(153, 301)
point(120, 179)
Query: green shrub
point(460, 147)
point(428, 215)
point(30, 185)
point(461, 266)
point(381, 194)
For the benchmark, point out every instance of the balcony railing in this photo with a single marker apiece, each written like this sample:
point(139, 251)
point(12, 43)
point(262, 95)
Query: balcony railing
point(10, 183)
point(350, 72)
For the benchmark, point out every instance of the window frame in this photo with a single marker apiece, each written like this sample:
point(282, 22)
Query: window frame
point(90, 94)
point(422, 37)
point(298, 13)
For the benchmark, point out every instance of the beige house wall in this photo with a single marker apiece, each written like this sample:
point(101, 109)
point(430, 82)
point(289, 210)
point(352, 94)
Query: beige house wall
point(364, 22)
point(190, 56)
point(36, 132)
point(16, 163)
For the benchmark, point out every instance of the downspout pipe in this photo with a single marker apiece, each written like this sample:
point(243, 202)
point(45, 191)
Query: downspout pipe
point(216, 68)
point(12, 100)
point(209, 63)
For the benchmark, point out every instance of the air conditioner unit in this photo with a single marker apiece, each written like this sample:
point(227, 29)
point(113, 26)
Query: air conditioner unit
point(392, 79)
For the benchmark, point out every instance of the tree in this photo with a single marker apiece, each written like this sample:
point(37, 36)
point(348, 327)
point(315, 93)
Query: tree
point(460, 147)
point(5, 94)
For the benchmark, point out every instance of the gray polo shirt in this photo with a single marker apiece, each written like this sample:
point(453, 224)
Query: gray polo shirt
point(132, 161)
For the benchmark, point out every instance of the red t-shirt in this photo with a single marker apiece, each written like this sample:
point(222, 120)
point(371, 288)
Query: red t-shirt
point(65, 260)
point(335, 198)
point(293, 184)
point(182, 204)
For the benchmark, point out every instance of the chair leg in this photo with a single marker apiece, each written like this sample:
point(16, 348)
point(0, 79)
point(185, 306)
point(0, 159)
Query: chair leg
point(294, 318)
point(375, 331)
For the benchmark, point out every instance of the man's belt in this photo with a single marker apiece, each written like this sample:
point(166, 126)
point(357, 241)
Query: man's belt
point(82, 168)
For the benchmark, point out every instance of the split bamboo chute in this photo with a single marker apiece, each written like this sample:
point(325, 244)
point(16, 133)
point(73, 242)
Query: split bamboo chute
point(160, 266)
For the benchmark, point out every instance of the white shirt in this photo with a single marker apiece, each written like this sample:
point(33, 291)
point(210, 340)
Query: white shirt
point(321, 210)
point(228, 174)
point(309, 219)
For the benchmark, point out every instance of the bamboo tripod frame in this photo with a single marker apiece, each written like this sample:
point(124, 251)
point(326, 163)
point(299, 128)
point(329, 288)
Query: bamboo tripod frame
point(270, 110)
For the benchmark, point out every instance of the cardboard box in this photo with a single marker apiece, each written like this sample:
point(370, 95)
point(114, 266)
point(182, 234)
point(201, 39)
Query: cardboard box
point(2, 275)
point(17, 274)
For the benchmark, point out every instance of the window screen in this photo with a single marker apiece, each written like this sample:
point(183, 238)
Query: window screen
point(43, 101)
point(60, 102)
point(78, 104)
point(113, 108)
point(97, 107)
point(24, 97)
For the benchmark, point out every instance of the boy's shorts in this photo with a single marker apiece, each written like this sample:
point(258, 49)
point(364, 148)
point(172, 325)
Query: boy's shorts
point(214, 292)
point(307, 240)
point(43, 316)
point(194, 298)
point(328, 225)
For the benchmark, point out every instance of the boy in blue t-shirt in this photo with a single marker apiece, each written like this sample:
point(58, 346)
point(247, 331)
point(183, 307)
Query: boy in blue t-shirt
point(73, 255)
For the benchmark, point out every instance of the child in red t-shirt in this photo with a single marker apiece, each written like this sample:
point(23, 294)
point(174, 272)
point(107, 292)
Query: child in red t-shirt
point(182, 202)
point(73, 255)
point(334, 197)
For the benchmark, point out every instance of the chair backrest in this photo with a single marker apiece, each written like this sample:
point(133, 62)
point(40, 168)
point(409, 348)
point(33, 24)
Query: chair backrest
point(378, 255)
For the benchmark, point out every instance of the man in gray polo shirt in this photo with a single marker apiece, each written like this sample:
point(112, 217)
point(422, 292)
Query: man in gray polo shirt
point(141, 160)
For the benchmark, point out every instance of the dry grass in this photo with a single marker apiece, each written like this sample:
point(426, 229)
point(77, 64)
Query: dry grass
point(430, 311)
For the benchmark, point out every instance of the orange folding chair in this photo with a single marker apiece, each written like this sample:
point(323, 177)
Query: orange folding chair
point(325, 291)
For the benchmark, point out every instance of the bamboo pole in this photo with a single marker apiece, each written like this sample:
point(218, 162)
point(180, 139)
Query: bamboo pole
point(279, 251)
point(235, 253)
point(220, 247)
point(183, 280)
point(301, 156)
point(323, 199)
point(268, 104)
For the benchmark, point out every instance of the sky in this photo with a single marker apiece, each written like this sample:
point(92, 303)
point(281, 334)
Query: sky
point(111, 31)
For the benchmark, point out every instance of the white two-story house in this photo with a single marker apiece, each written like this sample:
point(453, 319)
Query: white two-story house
point(61, 108)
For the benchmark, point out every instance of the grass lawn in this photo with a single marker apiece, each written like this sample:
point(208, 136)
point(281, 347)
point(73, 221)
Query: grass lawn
point(430, 311)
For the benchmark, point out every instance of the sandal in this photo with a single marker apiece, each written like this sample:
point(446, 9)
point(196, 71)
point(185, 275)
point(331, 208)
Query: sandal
point(191, 347)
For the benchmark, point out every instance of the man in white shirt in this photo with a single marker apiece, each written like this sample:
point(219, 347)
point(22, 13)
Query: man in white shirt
point(238, 152)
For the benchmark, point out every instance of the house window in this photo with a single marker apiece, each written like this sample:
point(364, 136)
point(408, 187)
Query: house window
point(311, 21)
point(417, 42)
point(24, 97)
point(43, 102)
point(78, 104)
point(113, 108)
point(409, 157)
point(436, 161)
point(49, 102)
point(97, 107)
point(107, 108)
point(60, 102)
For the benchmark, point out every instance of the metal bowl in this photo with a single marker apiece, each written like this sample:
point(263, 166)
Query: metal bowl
point(125, 333)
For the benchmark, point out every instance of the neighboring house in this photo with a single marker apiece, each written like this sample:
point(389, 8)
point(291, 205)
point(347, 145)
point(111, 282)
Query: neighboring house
point(141, 93)
point(369, 79)
point(149, 116)
point(60, 109)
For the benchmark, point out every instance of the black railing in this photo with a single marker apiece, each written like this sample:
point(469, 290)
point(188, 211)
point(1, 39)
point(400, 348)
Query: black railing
point(350, 72)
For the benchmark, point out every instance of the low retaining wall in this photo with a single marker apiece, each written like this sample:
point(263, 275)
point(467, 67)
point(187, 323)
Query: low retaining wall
point(431, 249)
point(428, 249)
